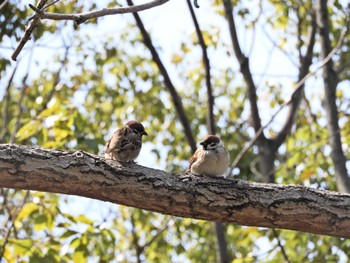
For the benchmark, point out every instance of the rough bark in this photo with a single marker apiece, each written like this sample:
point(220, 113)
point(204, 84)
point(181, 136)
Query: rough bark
point(231, 201)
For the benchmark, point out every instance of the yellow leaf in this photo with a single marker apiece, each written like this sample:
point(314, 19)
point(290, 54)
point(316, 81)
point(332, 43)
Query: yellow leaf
point(306, 174)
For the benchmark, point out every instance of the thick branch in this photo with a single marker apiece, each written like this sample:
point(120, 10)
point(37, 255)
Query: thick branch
point(330, 79)
point(168, 83)
point(231, 201)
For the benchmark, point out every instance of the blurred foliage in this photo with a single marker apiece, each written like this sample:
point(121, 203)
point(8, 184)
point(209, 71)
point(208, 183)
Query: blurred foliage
point(76, 84)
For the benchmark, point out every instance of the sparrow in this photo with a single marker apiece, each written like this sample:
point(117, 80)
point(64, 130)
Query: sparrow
point(211, 158)
point(125, 143)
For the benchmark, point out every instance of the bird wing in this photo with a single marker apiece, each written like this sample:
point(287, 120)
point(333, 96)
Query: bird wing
point(123, 140)
point(130, 142)
point(116, 139)
point(193, 159)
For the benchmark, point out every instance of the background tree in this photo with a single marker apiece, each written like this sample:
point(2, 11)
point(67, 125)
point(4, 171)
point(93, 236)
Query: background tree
point(106, 71)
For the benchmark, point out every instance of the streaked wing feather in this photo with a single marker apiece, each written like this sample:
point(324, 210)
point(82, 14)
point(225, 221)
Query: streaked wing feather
point(117, 137)
point(130, 143)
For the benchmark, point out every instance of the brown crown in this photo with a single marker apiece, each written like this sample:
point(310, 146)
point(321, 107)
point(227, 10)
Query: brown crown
point(135, 125)
point(210, 139)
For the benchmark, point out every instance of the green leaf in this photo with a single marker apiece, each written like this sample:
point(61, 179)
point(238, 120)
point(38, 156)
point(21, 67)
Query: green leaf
point(21, 246)
point(41, 222)
point(68, 234)
point(28, 130)
point(27, 210)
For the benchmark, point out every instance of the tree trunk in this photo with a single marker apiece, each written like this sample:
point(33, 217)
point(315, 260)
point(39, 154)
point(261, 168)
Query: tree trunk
point(330, 80)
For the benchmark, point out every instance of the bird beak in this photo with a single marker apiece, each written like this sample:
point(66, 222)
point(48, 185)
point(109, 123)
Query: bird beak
point(144, 133)
point(202, 143)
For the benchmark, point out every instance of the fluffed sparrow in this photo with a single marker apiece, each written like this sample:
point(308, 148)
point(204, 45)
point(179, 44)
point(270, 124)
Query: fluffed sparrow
point(125, 143)
point(211, 158)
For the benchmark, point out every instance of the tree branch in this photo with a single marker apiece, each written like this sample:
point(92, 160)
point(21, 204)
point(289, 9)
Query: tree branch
point(330, 80)
point(28, 31)
point(168, 83)
point(77, 18)
point(214, 199)
point(5, 113)
point(305, 63)
point(81, 18)
point(222, 250)
point(244, 67)
point(210, 98)
point(298, 86)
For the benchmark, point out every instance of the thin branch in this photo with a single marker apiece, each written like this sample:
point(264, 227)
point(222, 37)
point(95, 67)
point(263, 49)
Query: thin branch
point(311, 117)
point(81, 18)
point(210, 98)
point(168, 83)
point(3, 4)
point(20, 104)
point(48, 5)
point(279, 243)
point(298, 86)
point(244, 66)
point(28, 31)
point(305, 62)
point(273, 42)
point(135, 238)
point(77, 18)
point(12, 226)
point(56, 78)
point(160, 231)
point(5, 113)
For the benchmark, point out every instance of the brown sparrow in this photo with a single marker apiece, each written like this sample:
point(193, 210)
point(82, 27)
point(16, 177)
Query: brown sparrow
point(211, 159)
point(125, 143)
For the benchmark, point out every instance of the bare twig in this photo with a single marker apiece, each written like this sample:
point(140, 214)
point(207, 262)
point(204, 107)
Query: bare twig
point(81, 18)
point(168, 83)
point(273, 42)
point(305, 62)
point(77, 18)
point(279, 243)
point(20, 105)
point(28, 31)
point(135, 238)
point(7, 98)
point(3, 4)
point(12, 226)
point(160, 231)
point(210, 98)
